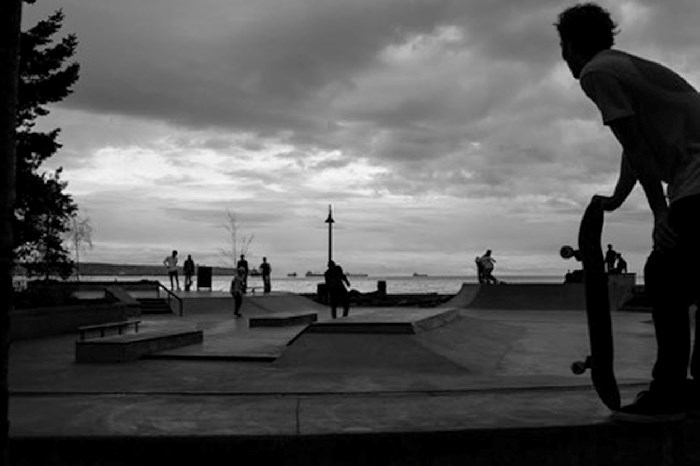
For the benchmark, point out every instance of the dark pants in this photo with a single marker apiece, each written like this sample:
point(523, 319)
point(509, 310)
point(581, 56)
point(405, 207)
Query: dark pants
point(237, 302)
point(266, 283)
point(339, 297)
point(672, 283)
point(173, 279)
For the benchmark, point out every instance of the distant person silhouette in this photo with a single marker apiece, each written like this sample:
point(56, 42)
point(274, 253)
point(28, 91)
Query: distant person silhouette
point(621, 266)
point(610, 259)
point(479, 270)
point(336, 280)
point(487, 265)
point(188, 272)
point(171, 263)
point(236, 290)
point(242, 263)
point(655, 115)
point(265, 271)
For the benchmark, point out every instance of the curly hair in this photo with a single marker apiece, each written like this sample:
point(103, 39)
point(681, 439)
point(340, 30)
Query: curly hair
point(587, 27)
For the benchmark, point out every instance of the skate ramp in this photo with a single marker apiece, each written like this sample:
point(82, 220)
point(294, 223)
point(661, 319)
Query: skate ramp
point(530, 296)
point(464, 296)
point(520, 296)
point(538, 296)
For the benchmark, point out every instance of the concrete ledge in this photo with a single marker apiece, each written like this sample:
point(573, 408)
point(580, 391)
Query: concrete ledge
point(390, 322)
point(283, 319)
point(123, 348)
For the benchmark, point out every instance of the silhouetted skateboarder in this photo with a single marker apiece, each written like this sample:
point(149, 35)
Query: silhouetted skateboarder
point(655, 115)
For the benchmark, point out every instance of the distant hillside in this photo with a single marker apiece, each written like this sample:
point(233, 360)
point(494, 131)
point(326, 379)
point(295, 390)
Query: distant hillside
point(95, 268)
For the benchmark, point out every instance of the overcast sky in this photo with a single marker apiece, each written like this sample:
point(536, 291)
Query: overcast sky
point(436, 128)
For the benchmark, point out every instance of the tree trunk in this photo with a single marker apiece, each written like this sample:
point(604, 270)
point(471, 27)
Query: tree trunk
point(10, 20)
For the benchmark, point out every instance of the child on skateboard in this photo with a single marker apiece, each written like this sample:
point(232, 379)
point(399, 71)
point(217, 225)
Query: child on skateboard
point(655, 115)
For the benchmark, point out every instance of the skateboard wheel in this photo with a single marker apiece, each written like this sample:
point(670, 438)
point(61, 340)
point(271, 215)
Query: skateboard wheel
point(578, 367)
point(567, 252)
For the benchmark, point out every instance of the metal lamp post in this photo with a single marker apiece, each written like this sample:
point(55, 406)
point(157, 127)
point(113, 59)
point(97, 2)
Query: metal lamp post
point(330, 223)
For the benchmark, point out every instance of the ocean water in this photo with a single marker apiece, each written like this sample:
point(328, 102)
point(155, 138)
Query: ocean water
point(364, 284)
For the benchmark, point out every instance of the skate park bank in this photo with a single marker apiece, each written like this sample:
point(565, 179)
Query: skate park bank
point(446, 385)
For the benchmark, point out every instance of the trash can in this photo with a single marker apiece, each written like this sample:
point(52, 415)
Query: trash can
point(203, 277)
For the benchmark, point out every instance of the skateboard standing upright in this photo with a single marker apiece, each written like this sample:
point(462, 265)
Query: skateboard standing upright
point(601, 359)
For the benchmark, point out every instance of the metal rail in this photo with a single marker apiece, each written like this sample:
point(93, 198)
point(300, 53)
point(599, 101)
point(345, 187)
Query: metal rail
point(171, 295)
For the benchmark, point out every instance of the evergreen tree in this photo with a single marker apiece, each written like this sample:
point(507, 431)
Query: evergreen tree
point(43, 209)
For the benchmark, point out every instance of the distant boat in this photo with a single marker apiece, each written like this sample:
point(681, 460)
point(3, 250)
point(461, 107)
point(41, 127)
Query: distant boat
point(420, 274)
point(313, 274)
point(293, 274)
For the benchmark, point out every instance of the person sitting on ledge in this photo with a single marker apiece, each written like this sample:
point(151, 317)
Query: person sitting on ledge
point(621, 266)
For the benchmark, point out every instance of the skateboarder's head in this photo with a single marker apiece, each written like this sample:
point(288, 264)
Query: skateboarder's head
point(584, 30)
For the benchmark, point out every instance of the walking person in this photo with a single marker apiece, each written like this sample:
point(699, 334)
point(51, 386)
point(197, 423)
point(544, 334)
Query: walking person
point(338, 295)
point(237, 291)
point(265, 270)
point(170, 263)
point(655, 115)
point(188, 271)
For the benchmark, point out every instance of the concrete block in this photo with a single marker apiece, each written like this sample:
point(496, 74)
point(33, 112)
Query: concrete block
point(124, 348)
point(283, 319)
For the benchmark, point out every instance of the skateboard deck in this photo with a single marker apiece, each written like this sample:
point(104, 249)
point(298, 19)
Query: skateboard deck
point(590, 253)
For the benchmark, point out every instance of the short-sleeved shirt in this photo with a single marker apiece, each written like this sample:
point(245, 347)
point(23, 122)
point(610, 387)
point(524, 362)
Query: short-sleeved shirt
point(665, 106)
point(171, 263)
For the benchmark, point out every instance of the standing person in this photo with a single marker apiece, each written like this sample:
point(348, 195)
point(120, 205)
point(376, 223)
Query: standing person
point(655, 115)
point(188, 271)
point(171, 263)
point(487, 265)
point(335, 282)
point(242, 263)
point(265, 270)
point(610, 258)
point(237, 291)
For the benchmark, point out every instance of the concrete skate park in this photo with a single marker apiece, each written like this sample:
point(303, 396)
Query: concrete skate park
point(482, 379)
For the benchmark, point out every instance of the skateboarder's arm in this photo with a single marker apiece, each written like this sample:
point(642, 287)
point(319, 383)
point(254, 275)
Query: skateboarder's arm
point(639, 156)
point(625, 183)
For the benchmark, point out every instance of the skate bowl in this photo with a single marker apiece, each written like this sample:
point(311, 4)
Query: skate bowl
point(442, 340)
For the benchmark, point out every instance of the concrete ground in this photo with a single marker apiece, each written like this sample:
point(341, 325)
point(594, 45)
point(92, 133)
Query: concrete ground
point(489, 387)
